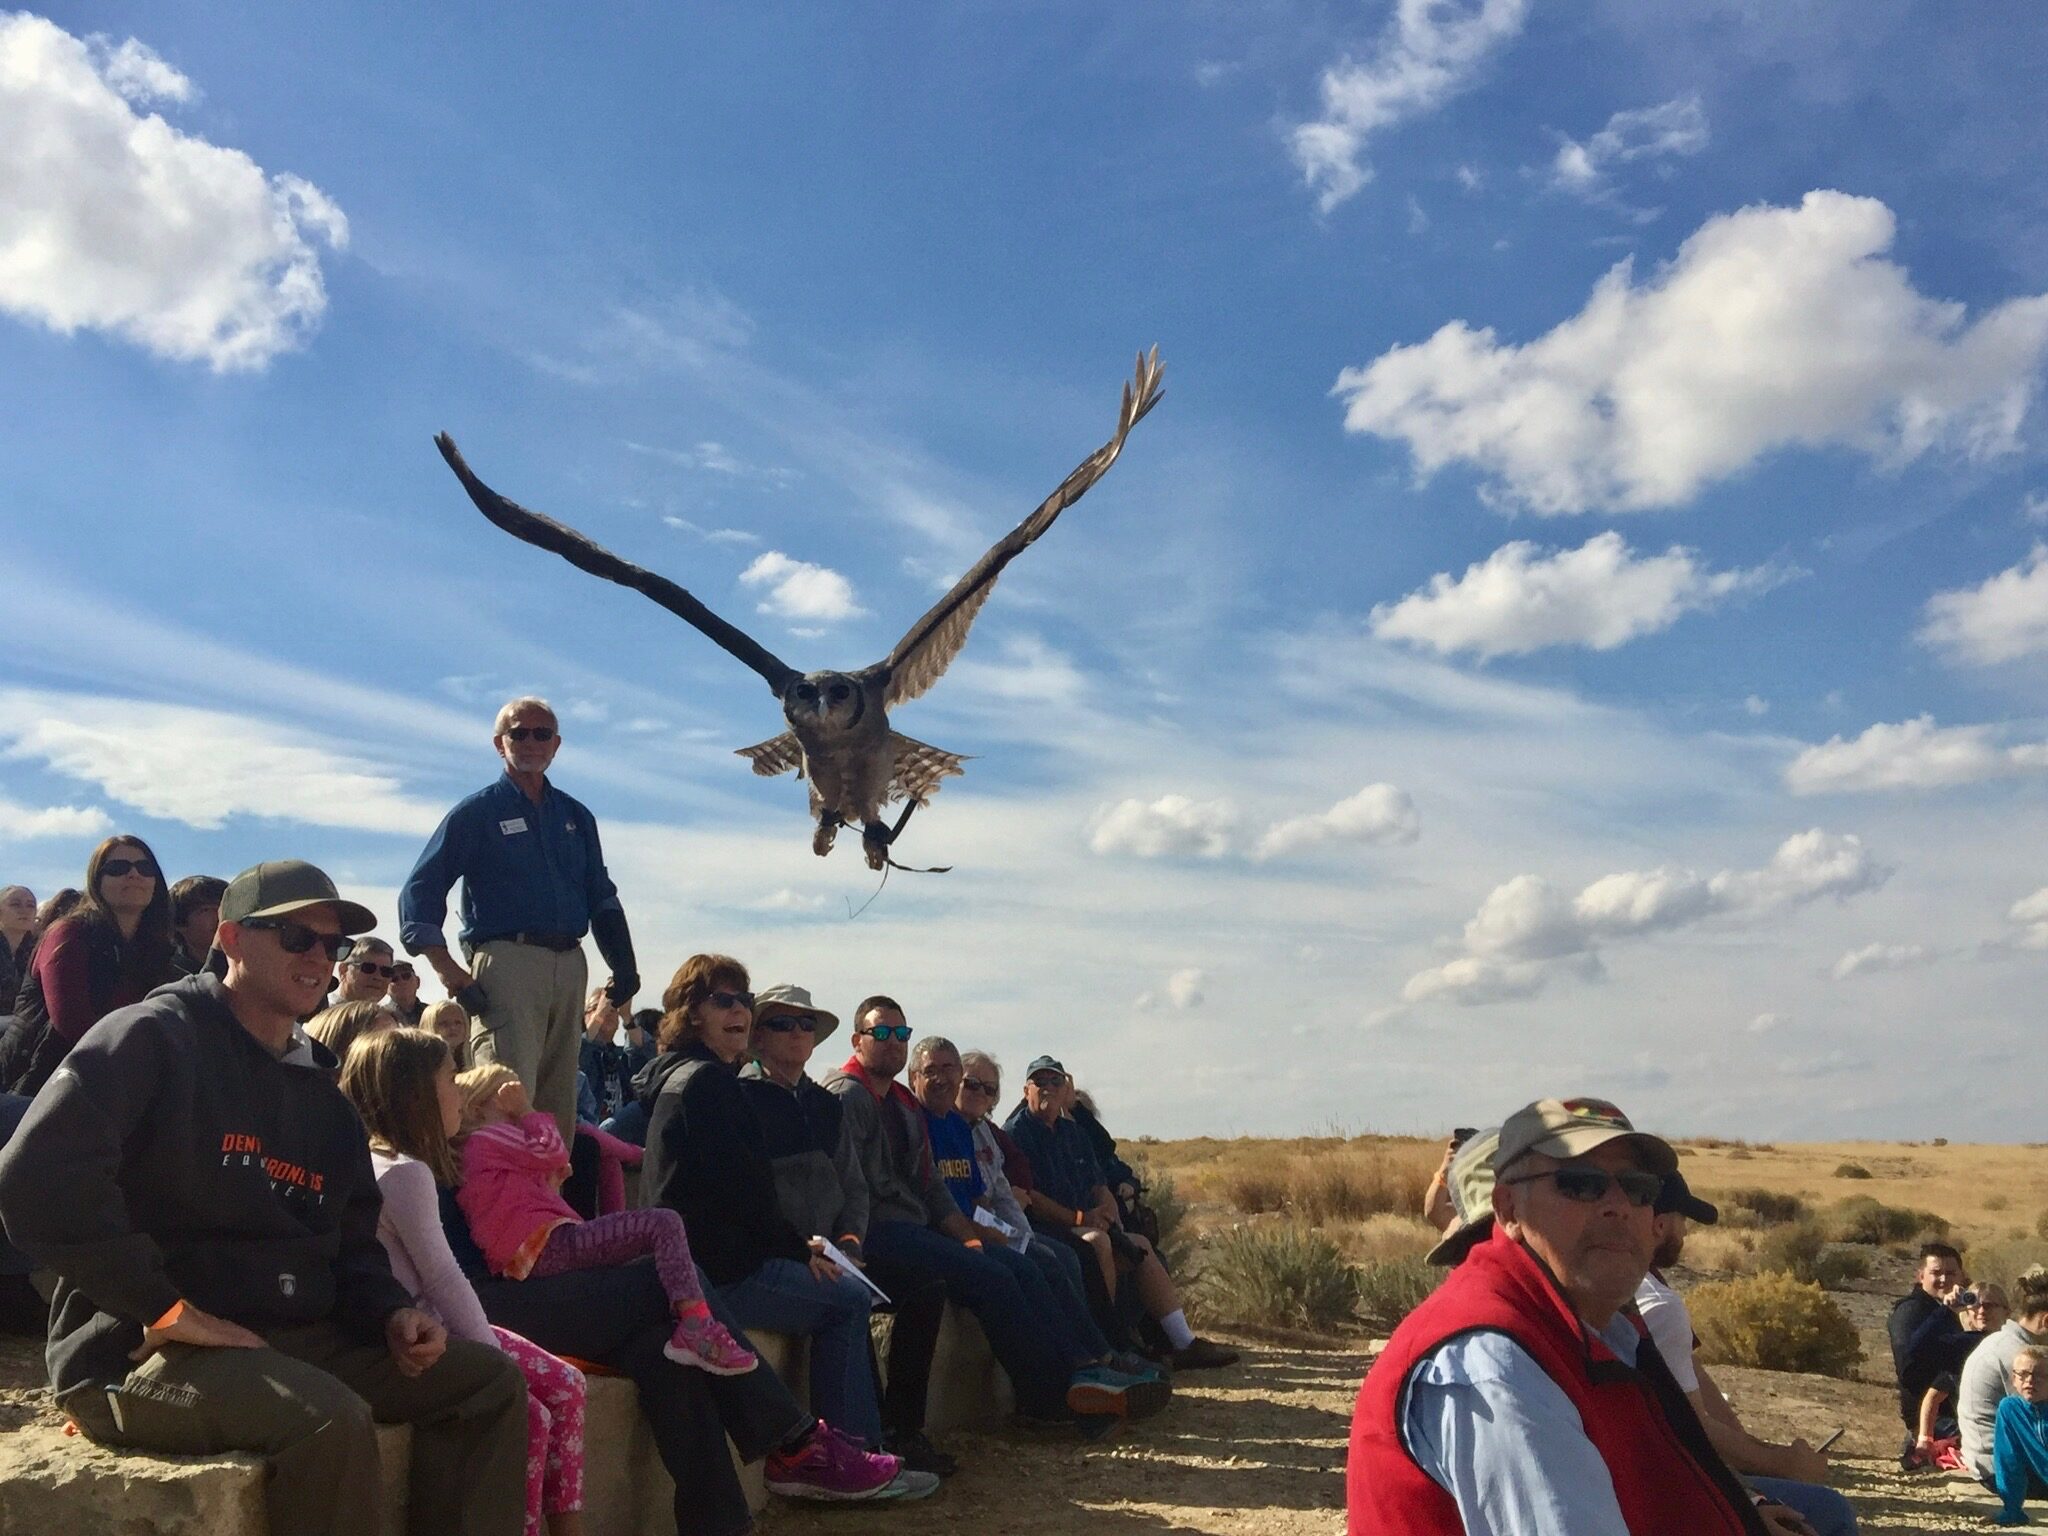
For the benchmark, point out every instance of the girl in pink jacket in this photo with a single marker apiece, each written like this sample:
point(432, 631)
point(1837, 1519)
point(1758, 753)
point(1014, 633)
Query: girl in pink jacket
point(513, 1165)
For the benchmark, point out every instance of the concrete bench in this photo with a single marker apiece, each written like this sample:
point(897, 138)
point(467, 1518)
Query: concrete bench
point(51, 1482)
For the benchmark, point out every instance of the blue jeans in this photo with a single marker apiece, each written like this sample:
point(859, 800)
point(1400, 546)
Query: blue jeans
point(1026, 1339)
point(783, 1296)
point(1825, 1510)
point(1061, 1267)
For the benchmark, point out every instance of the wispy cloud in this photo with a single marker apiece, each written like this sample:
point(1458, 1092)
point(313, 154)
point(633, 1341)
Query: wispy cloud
point(736, 536)
point(1882, 957)
point(717, 459)
point(1773, 328)
point(1177, 826)
point(1429, 52)
point(118, 222)
point(1601, 595)
point(1675, 127)
point(1914, 754)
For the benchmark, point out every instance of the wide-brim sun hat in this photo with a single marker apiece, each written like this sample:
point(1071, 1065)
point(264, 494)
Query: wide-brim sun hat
point(791, 999)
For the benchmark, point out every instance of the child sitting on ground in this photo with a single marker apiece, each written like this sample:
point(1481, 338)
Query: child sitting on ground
point(2019, 1437)
point(513, 1164)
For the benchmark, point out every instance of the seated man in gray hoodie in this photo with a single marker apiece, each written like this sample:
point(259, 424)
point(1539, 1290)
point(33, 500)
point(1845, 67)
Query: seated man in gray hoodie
point(822, 1193)
point(210, 1212)
point(913, 1221)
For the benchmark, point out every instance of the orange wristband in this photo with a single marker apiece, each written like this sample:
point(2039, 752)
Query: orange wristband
point(972, 1242)
point(171, 1316)
point(1080, 1218)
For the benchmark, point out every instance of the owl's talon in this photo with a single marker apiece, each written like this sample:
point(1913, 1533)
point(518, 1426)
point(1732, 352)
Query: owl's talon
point(821, 841)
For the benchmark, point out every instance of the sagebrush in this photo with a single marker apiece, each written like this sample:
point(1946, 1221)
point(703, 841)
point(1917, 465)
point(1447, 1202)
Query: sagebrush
point(1862, 1219)
point(1774, 1322)
point(1282, 1275)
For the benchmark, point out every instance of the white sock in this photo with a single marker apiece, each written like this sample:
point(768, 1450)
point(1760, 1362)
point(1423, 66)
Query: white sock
point(1175, 1326)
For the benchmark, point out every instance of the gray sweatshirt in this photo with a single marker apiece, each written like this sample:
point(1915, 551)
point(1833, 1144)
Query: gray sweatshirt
point(888, 1137)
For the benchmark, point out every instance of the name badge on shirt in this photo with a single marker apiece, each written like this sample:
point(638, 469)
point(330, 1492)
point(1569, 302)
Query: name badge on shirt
point(516, 824)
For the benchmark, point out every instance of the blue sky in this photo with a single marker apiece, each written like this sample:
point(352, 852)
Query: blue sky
point(1575, 624)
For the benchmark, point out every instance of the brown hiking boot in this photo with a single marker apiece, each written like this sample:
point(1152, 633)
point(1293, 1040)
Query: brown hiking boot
point(1202, 1355)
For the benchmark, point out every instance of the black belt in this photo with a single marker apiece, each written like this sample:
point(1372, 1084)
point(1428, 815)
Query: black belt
point(559, 942)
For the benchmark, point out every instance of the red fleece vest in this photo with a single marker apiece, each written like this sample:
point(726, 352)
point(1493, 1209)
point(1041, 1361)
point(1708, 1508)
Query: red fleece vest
point(1663, 1490)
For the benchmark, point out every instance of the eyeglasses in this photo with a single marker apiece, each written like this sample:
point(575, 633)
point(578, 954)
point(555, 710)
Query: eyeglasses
point(402, 971)
point(537, 732)
point(372, 968)
point(783, 1023)
point(296, 938)
point(888, 1032)
point(976, 1085)
point(129, 867)
point(1589, 1186)
point(730, 1000)
point(1047, 1081)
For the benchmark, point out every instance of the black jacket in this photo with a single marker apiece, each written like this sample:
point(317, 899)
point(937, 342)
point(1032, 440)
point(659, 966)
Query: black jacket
point(1927, 1340)
point(173, 1157)
point(707, 1161)
point(817, 1173)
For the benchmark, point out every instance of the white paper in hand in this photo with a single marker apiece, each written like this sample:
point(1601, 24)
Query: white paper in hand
point(984, 1217)
point(847, 1266)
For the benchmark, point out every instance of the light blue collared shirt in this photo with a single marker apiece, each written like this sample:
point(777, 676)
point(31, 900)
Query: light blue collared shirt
point(1487, 1423)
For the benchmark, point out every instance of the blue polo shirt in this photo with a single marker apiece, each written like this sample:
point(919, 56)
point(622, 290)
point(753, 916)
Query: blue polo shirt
point(953, 1153)
point(524, 868)
point(1062, 1162)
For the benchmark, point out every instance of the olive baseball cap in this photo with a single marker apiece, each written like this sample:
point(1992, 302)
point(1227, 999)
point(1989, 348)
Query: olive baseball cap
point(788, 999)
point(1566, 1128)
point(285, 886)
point(1470, 1185)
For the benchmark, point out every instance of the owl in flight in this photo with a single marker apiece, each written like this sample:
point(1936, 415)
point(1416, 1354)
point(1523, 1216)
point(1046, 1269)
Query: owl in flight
point(839, 737)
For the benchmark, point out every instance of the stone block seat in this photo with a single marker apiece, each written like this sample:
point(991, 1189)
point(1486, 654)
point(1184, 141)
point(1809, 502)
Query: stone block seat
point(54, 1484)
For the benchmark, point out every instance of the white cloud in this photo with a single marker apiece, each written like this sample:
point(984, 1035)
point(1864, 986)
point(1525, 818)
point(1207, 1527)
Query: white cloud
point(1378, 813)
point(202, 766)
point(1757, 706)
point(2034, 508)
point(1423, 58)
point(786, 900)
point(1470, 178)
point(1171, 826)
point(713, 535)
point(2031, 913)
point(1184, 987)
point(1882, 957)
point(716, 459)
point(114, 221)
point(799, 590)
point(1027, 671)
point(1914, 754)
point(1675, 127)
point(1764, 1023)
point(1525, 930)
point(2004, 618)
point(1772, 328)
point(21, 822)
point(1600, 595)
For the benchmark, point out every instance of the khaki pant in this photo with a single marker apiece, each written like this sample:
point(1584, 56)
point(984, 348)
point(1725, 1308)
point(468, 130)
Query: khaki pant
point(307, 1405)
point(532, 1021)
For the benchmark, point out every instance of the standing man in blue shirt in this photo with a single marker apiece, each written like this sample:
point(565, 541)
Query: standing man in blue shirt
point(533, 883)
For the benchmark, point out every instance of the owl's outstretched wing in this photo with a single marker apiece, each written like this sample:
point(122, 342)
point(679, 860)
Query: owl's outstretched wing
point(920, 768)
point(922, 656)
point(546, 533)
point(776, 755)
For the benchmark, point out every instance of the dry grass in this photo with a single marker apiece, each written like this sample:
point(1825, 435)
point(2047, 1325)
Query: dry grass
point(1318, 1180)
point(1384, 1238)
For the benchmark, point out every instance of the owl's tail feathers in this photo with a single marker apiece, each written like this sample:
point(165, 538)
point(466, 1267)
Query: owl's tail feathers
point(919, 768)
point(777, 755)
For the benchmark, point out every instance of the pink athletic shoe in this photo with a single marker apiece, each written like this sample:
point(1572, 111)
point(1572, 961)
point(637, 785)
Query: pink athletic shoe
point(701, 1340)
point(830, 1467)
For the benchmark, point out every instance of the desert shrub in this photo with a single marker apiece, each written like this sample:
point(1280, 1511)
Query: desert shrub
point(1254, 1188)
point(1281, 1276)
point(2041, 1224)
point(1851, 1171)
point(1741, 1154)
point(1167, 1204)
point(1718, 1248)
point(1996, 1202)
point(1774, 1322)
point(1386, 1236)
point(1941, 1141)
point(1761, 1207)
point(1389, 1290)
point(1793, 1250)
point(1343, 1184)
point(1862, 1219)
point(2000, 1262)
point(1837, 1266)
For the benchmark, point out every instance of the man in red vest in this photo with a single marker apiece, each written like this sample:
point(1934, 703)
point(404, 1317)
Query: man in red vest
point(1520, 1398)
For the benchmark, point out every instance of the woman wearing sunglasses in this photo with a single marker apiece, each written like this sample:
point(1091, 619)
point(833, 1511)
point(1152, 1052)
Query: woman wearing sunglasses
point(115, 947)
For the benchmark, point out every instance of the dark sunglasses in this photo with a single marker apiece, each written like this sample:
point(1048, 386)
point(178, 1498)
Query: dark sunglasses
point(372, 968)
point(978, 1086)
point(730, 1000)
point(783, 1023)
point(1047, 1081)
point(296, 938)
point(1589, 1186)
point(888, 1032)
point(129, 867)
point(537, 732)
point(402, 971)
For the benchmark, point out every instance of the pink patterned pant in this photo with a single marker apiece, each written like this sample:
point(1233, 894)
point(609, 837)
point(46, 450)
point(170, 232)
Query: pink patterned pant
point(554, 1430)
point(621, 1238)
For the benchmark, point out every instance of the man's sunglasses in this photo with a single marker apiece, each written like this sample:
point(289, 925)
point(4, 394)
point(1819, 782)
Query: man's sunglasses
point(888, 1032)
point(402, 971)
point(783, 1023)
point(730, 1000)
point(296, 938)
point(372, 968)
point(129, 867)
point(1589, 1186)
point(1047, 1081)
point(976, 1085)
point(537, 732)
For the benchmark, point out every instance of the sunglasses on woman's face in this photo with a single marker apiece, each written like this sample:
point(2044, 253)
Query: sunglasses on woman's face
point(296, 938)
point(783, 1023)
point(129, 867)
point(889, 1032)
point(1589, 1186)
point(372, 968)
point(976, 1085)
point(731, 1000)
point(537, 732)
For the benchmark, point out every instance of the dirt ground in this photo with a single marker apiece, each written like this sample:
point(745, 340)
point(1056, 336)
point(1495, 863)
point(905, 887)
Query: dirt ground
point(1260, 1449)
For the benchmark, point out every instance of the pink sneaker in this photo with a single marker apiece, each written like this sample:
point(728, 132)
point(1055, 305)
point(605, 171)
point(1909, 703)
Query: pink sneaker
point(701, 1340)
point(830, 1467)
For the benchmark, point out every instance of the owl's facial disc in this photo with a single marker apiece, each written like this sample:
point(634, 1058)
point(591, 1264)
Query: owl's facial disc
point(830, 700)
